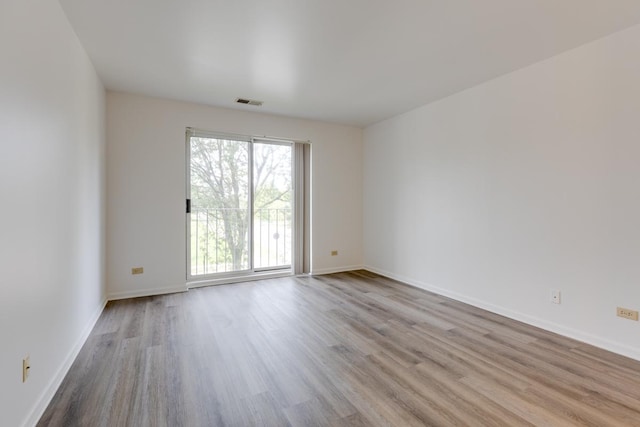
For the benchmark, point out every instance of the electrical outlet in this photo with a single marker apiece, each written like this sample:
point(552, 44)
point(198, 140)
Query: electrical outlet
point(334, 253)
point(627, 314)
point(555, 296)
point(26, 367)
point(137, 270)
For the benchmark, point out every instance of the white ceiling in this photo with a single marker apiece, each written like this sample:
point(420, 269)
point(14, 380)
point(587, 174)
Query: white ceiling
point(349, 61)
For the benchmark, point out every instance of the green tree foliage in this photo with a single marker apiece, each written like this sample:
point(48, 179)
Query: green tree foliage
point(220, 190)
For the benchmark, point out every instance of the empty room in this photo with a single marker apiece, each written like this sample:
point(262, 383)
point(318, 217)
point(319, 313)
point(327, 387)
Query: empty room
point(319, 213)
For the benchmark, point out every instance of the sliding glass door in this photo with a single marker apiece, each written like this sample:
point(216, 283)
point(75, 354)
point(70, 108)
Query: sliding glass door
point(220, 206)
point(241, 206)
point(272, 205)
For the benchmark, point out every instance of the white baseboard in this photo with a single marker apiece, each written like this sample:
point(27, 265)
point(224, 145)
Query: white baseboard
point(317, 272)
point(587, 338)
point(147, 292)
point(45, 397)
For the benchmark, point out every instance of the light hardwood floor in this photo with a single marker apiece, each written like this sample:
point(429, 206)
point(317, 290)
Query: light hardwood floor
point(351, 349)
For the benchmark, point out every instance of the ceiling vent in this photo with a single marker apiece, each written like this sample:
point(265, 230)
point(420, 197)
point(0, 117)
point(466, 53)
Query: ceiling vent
point(247, 101)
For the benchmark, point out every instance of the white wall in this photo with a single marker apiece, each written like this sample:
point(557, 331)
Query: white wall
point(146, 187)
point(526, 183)
point(52, 108)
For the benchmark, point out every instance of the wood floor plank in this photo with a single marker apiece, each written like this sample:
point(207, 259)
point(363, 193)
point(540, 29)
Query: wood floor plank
point(345, 349)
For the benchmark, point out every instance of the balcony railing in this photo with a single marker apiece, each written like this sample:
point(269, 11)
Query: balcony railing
point(220, 240)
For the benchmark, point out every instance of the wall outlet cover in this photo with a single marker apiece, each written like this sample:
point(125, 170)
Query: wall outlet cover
point(627, 313)
point(26, 367)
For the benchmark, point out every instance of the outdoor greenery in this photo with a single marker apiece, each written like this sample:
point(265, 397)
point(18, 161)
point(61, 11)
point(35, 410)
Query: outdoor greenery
point(220, 199)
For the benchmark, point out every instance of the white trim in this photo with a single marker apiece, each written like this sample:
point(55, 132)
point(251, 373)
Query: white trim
point(203, 133)
point(147, 292)
point(187, 217)
point(239, 279)
point(332, 270)
point(615, 347)
point(50, 390)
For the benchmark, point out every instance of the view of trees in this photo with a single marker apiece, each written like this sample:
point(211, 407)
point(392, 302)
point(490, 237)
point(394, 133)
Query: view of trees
point(220, 201)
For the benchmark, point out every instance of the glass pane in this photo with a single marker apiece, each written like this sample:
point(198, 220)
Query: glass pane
point(273, 201)
point(219, 206)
